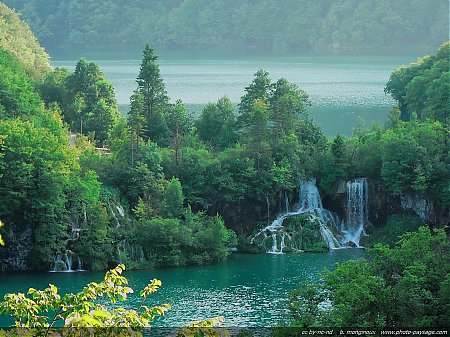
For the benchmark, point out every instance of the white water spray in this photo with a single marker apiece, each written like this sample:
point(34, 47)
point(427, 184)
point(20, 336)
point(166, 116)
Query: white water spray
point(357, 210)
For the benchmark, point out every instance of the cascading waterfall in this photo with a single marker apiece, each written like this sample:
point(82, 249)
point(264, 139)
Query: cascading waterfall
point(132, 251)
point(63, 263)
point(310, 205)
point(335, 232)
point(357, 211)
point(274, 244)
point(309, 197)
point(120, 210)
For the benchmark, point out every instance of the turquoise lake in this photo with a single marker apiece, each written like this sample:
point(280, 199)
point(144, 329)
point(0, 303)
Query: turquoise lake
point(248, 290)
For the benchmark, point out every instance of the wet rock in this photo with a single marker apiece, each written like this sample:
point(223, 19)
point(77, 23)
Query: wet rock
point(352, 244)
point(15, 254)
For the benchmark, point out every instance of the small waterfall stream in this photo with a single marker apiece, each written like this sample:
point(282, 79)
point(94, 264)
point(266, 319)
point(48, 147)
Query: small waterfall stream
point(63, 263)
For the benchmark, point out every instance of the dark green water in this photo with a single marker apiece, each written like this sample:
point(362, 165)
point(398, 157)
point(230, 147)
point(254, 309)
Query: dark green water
point(248, 290)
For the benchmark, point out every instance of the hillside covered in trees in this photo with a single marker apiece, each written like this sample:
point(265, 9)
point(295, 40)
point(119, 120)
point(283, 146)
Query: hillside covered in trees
point(239, 26)
point(17, 39)
point(81, 183)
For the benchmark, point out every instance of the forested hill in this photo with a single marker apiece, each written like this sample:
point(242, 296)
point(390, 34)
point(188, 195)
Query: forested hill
point(17, 39)
point(262, 26)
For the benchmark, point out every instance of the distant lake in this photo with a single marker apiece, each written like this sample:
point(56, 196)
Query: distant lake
point(341, 89)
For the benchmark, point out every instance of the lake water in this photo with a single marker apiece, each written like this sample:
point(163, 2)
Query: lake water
point(248, 290)
point(341, 89)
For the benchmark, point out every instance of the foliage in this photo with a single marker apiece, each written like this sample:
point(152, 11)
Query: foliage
point(154, 97)
point(217, 124)
point(402, 286)
point(410, 155)
point(116, 203)
point(305, 234)
point(44, 189)
point(195, 239)
point(35, 172)
point(422, 88)
point(396, 226)
point(261, 26)
point(18, 97)
point(17, 39)
point(42, 310)
point(173, 197)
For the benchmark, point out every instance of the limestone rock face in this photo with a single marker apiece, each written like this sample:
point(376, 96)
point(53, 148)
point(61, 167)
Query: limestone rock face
point(15, 254)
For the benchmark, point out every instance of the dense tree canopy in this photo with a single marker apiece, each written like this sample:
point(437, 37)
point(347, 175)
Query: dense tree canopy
point(422, 88)
point(266, 26)
point(86, 98)
point(402, 286)
point(17, 39)
point(17, 95)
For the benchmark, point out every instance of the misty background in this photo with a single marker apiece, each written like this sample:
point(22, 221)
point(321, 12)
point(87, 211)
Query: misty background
point(223, 28)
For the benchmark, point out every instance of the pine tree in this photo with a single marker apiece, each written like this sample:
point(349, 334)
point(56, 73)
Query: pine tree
point(154, 95)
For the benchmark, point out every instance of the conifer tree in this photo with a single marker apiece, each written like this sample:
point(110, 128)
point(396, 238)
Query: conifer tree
point(154, 95)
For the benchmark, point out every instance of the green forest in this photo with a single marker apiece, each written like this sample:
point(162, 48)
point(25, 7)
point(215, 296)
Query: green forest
point(84, 187)
point(79, 179)
point(238, 26)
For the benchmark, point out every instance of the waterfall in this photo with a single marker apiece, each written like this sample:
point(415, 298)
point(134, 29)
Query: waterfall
point(274, 244)
point(62, 263)
point(120, 210)
point(335, 232)
point(114, 216)
point(80, 265)
point(328, 236)
point(282, 245)
point(311, 206)
point(357, 211)
point(286, 202)
point(309, 197)
point(69, 262)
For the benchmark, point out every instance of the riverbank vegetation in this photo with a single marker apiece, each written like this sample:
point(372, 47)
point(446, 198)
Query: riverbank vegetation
point(406, 285)
point(83, 187)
